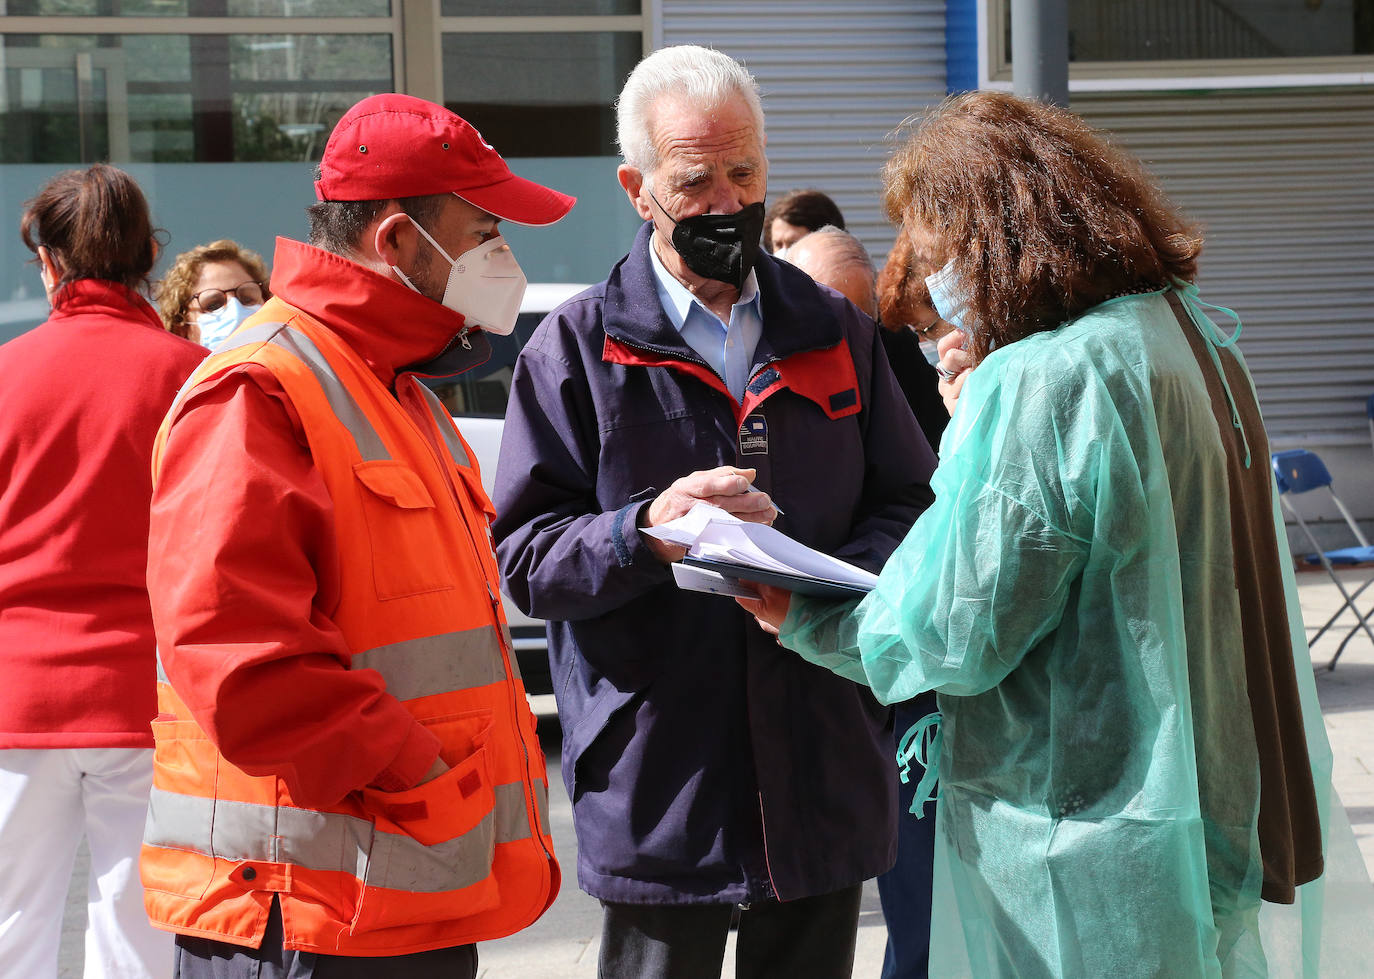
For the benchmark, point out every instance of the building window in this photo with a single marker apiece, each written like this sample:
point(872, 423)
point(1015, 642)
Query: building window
point(221, 108)
point(181, 98)
point(539, 79)
point(540, 93)
point(541, 8)
point(198, 8)
point(1324, 40)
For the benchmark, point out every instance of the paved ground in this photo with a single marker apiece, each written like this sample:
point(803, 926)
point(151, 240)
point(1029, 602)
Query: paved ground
point(1347, 698)
point(563, 944)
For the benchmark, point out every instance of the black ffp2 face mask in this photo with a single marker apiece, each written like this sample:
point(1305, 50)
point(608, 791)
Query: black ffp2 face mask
point(722, 247)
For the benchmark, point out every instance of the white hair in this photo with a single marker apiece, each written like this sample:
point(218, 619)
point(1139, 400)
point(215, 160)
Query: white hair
point(702, 76)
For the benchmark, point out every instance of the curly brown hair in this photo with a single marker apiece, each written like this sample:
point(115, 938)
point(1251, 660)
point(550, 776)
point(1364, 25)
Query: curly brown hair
point(178, 285)
point(903, 299)
point(1041, 215)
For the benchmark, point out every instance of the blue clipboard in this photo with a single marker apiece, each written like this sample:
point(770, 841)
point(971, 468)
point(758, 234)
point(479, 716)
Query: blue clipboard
point(801, 584)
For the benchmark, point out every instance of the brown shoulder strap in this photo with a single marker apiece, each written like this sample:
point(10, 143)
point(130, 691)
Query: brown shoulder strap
point(1289, 830)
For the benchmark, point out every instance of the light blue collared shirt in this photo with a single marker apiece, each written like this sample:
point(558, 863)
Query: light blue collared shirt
point(729, 350)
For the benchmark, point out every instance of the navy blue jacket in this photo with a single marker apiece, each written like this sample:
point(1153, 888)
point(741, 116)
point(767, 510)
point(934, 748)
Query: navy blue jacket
point(705, 762)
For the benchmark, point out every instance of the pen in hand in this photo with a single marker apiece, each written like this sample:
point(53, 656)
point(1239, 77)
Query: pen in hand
point(771, 500)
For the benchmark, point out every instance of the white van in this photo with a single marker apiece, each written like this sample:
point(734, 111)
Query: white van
point(477, 401)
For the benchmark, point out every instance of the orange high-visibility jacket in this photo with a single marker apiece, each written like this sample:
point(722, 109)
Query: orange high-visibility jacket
point(462, 858)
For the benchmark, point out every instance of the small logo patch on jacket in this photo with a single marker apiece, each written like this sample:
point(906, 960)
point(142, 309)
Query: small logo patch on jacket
point(753, 436)
point(844, 399)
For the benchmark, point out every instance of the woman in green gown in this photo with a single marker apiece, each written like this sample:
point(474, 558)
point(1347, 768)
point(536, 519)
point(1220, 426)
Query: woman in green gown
point(1100, 595)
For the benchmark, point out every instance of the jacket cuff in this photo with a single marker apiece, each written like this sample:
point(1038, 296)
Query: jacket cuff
point(626, 539)
point(417, 754)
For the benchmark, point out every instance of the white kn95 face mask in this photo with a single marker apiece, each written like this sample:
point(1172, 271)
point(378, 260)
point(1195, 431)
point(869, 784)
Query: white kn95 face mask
point(485, 284)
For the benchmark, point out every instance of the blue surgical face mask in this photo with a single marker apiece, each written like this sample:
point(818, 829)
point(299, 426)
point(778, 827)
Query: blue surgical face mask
point(945, 296)
point(215, 326)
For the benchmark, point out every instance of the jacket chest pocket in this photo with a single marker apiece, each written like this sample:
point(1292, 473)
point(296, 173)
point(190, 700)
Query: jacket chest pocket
point(403, 526)
point(654, 451)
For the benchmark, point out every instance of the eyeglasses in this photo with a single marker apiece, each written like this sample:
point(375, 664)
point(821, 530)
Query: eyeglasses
point(249, 293)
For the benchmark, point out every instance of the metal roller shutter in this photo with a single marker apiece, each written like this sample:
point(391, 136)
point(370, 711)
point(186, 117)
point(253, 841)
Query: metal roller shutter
point(836, 79)
point(1284, 184)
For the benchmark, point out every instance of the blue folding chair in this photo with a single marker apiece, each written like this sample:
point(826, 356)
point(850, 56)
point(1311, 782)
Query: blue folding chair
point(1300, 471)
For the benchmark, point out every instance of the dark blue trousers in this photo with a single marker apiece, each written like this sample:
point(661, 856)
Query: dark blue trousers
point(813, 937)
point(203, 958)
point(905, 889)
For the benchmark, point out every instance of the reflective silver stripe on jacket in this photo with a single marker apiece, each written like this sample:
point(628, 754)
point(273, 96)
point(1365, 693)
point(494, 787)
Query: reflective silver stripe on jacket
point(437, 664)
point(432, 664)
point(510, 645)
point(238, 831)
point(444, 420)
point(341, 402)
point(258, 334)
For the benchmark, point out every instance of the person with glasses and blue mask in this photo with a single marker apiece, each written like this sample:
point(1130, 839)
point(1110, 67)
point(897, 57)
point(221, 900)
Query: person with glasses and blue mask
point(211, 289)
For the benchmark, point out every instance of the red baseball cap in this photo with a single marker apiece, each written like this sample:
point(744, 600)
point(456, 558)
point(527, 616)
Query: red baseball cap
point(390, 146)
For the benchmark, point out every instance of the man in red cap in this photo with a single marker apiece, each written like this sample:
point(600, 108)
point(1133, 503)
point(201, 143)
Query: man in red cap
point(346, 766)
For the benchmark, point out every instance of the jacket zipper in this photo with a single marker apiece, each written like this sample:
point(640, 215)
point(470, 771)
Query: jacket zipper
point(665, 353)
point(494, 605)
point(763, 822)
point(767, 864)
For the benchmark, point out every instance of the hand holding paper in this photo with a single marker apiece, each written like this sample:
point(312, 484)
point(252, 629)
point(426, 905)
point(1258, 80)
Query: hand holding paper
point(725, 487)
point(718, 541)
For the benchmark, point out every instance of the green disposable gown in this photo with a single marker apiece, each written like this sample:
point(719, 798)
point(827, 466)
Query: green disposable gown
point(1099, 782)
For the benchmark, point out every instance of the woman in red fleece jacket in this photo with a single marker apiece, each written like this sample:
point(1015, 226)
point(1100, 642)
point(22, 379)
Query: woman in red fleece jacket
point(81, 398)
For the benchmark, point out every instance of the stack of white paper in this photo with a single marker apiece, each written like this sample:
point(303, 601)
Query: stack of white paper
point(721, 547)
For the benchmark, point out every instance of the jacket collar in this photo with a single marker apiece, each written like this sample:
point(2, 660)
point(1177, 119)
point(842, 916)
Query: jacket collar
point(796, 316)
point(102, 296)
point(390, 326)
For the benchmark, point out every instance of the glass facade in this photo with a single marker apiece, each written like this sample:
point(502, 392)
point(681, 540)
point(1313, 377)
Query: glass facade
point(222, 124)
point(198, 8)
point(540, 94)
point(180, 98)
point(539, 8)
point(1110, 31)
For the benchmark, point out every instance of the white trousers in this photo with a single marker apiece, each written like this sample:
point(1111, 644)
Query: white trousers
point(49, 799)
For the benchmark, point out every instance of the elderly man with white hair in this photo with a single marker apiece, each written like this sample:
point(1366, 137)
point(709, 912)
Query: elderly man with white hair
point(709, 770)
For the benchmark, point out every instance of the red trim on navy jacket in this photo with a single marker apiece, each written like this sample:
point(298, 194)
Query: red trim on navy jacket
point(825, 377)
point(615, 352)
